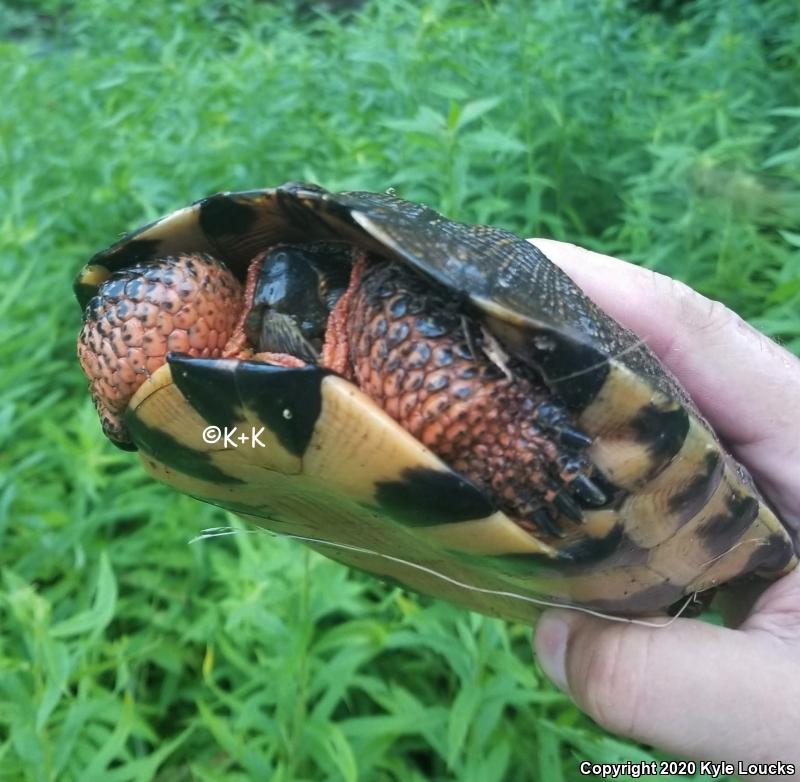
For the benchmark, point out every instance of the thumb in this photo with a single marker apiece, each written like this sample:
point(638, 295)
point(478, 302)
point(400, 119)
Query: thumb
point(690, 688)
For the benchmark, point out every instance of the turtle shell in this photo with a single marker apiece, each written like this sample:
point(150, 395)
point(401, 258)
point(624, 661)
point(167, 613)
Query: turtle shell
point(335, 470)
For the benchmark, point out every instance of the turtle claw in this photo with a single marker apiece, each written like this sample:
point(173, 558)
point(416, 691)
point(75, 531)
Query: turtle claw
point(554, 418)
point(546, 522)
point(569, 507)
point(573, 438)
point(588, 491)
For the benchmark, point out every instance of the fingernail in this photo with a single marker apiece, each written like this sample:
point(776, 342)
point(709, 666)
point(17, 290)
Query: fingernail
point(550, 645)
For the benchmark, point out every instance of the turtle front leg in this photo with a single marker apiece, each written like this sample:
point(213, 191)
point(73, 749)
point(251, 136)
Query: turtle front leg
point(184, 304)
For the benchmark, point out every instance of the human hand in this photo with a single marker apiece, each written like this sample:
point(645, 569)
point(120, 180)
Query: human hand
point(694, 689)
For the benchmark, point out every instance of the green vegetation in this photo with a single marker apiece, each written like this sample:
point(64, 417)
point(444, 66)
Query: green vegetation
point(669, 136)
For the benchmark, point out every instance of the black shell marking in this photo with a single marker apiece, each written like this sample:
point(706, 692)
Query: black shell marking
point(422, 497)
point(287, 400)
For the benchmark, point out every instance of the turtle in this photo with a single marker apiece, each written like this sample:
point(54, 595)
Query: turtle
point(430, 401)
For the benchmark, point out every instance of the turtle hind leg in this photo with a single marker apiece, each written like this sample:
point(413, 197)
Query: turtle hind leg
point(424, 360)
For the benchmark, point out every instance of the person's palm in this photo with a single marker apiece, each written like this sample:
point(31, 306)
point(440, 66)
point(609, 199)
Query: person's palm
point(695, 689)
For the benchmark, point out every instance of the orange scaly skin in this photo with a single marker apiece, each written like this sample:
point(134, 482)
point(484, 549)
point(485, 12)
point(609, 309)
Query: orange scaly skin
point(186, 304)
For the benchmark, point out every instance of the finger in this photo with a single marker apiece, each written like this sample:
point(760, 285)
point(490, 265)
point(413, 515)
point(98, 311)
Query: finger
point(776, 612)
point(692, 689)
point(746, 385)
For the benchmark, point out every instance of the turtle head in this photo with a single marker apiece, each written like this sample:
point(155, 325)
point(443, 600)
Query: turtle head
point(296, 289)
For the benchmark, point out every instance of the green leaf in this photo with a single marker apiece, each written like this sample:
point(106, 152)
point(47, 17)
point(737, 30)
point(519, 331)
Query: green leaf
point(461, 716)
point(474, 110)
point(112, 748)
point(336, 749)
point(495, 765)
point(548, 754)
point(490, 140)
point(59, 666)
point(786, 111)
point(791, 237)
point(95, 619)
